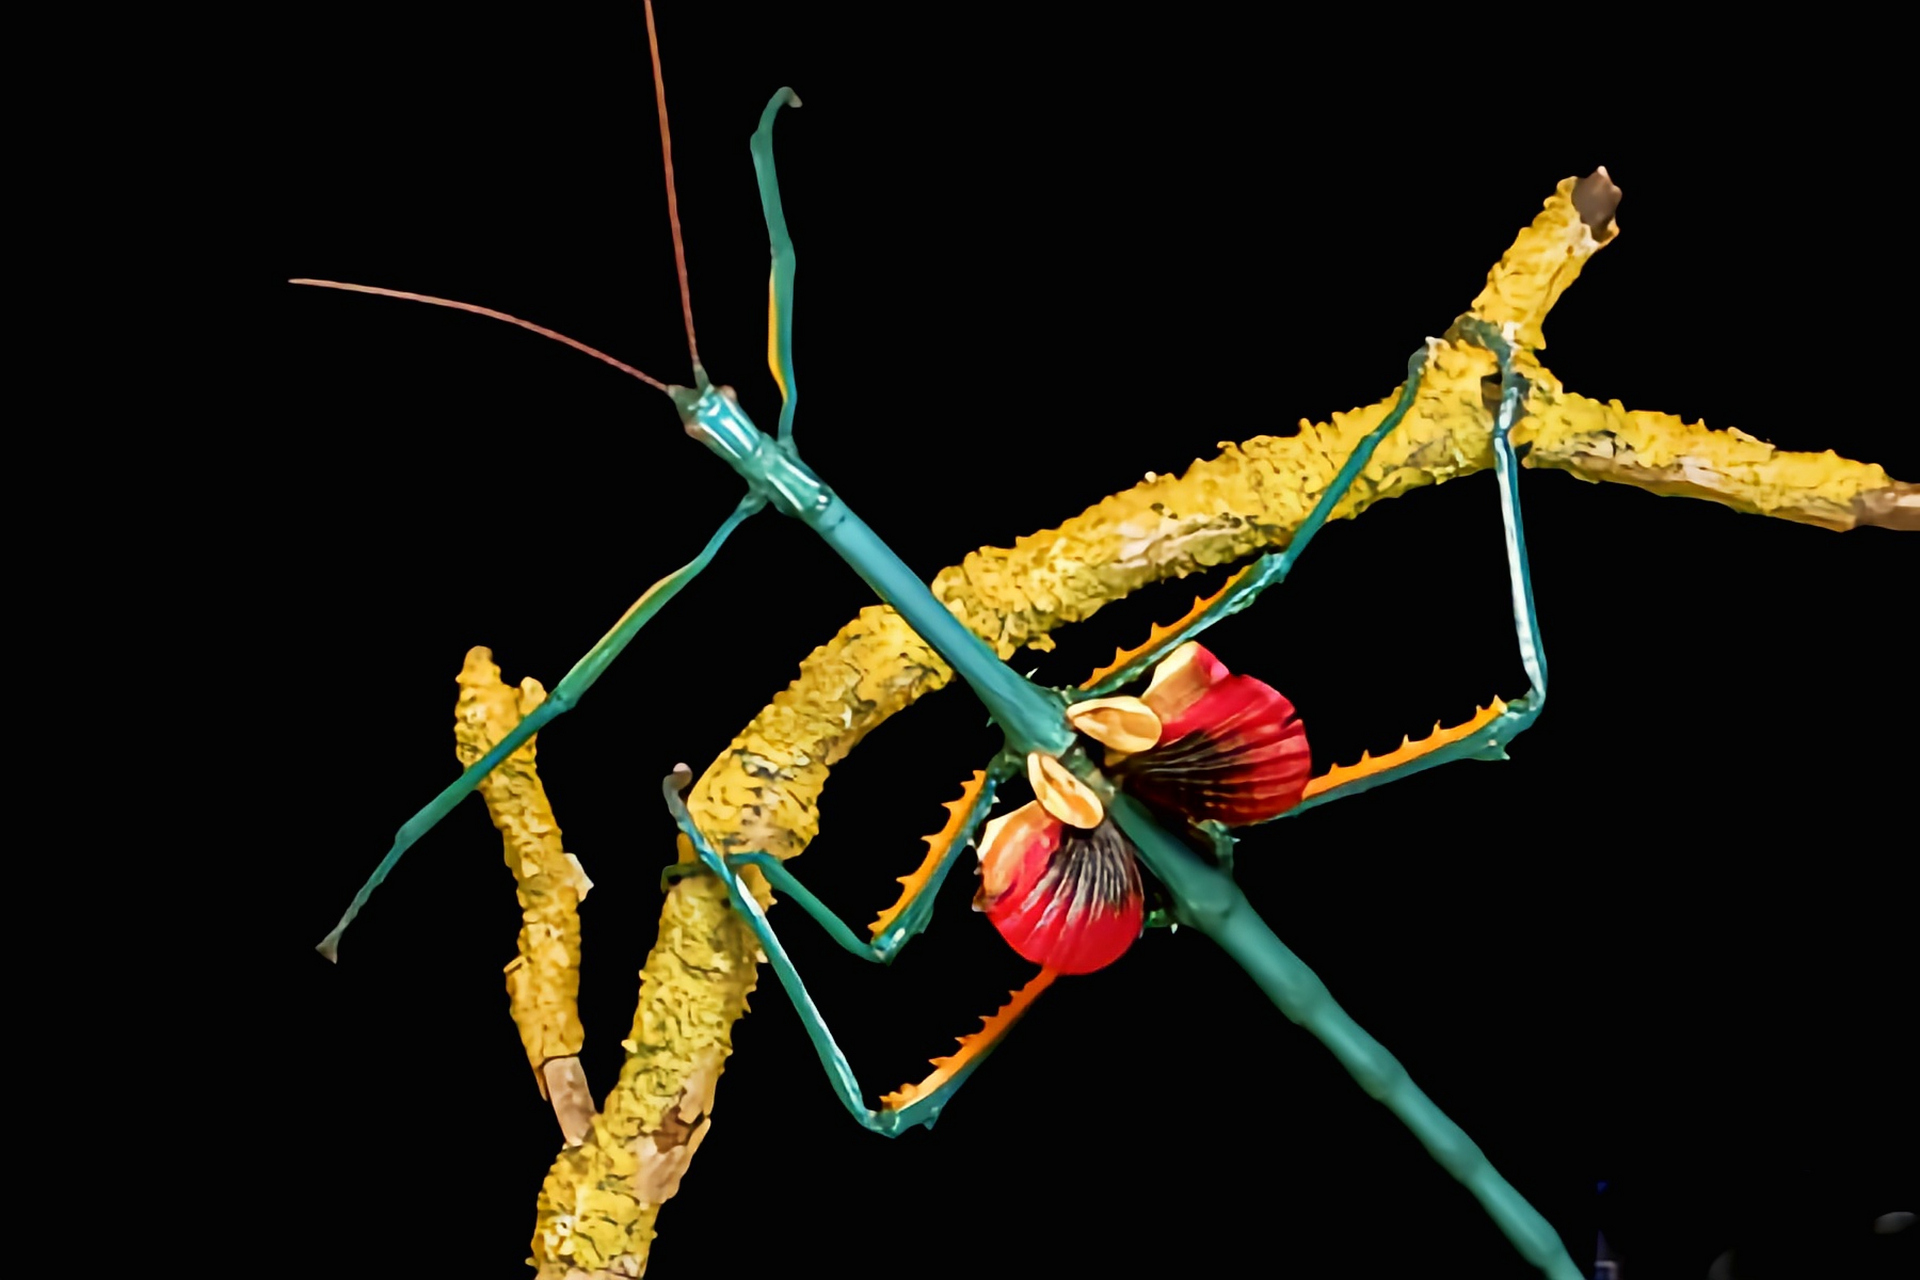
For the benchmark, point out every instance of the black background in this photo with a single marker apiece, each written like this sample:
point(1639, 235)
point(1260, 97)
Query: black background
point(1660, 948)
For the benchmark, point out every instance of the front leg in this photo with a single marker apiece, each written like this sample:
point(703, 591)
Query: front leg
point(565, 695)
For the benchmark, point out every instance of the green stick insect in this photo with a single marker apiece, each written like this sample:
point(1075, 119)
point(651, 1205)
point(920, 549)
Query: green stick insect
point(1069, 887)
point(1157, 779)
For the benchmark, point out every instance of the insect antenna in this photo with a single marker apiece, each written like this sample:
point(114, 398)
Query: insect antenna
point(679, 258)
point(673, 203)
point(491, 314)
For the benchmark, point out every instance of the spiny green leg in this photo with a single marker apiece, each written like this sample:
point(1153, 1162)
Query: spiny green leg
point(780, 290)
point(1487, 741)
point(1272, 568)
point(565, 696)
point(908, 917)
point(846, 1085)
point(784, 880)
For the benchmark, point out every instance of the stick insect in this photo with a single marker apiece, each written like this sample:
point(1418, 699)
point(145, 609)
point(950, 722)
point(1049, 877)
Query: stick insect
point(1239, 665)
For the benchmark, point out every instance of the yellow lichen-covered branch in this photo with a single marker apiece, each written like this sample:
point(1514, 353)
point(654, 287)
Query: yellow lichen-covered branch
point(543, 980)
point(597, 1205)
point(597, 1209)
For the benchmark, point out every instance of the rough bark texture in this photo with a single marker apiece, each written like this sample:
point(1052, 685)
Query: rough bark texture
point(543, 979)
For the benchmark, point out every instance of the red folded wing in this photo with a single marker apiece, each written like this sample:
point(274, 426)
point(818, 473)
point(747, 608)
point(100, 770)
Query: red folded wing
point(1231, 747)
point(1062, 897)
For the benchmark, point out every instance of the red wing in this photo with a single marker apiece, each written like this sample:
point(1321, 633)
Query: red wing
point(1065, 898)
point(1231, 747)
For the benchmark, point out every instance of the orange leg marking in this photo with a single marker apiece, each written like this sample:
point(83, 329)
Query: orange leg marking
point(937, 845)
point(992, 1029)
point(1160, 634)
point(1368, 765)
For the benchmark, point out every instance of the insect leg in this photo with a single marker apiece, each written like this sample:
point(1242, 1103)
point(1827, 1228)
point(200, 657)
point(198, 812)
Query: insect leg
point(1269, 570)
point(908, 917)
point(922, 1103)
point(780, 286)
point(1485, 736)
point(902, 921)
point(563, 698)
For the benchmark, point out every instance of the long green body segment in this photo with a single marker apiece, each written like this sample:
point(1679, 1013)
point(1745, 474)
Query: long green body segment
point(1299, 994)
point(564, 697)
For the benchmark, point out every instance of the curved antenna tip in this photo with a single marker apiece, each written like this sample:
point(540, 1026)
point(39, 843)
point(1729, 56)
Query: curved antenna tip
point(491, 314)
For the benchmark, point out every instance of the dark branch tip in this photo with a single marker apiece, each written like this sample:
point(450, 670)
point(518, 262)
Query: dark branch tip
point(1595, 198)
point(1896, 506)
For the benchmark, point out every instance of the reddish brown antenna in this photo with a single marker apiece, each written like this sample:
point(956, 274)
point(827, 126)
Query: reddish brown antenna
point(673, 202)
point(491, 314)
